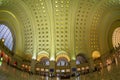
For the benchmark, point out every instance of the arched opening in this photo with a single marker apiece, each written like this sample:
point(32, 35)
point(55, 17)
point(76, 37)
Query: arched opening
point(6, 36)
point(80, 58)
point(62, 61)
point(44, 61)
point(41, 55)
point(116, 37)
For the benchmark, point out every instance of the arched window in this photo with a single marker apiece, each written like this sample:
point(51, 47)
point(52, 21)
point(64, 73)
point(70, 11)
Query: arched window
point(62, 62)
point(6, 34)
point(44, 61)
point(116, 37)
point(80, 59)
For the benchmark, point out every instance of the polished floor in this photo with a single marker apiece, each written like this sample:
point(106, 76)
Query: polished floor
point(10, 73)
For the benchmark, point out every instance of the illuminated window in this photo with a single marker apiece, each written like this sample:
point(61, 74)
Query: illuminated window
point(116, 37)
point(6, 34)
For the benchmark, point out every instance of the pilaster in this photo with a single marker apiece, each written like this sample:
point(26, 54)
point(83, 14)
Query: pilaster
point(33, 62)
point(73, 69)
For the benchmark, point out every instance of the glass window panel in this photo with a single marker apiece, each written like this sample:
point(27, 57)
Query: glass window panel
point(7, 35)
point(47, 62)
point(9, 43)
point(62, 62)
point(3, 32)
point(7, 40)
point(1, 27)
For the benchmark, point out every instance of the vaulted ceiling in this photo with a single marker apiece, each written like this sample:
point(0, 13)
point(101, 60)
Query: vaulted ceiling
point(61, 26)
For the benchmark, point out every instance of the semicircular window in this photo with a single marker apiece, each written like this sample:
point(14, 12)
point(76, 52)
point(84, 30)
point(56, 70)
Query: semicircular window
point(45, 61)
point(80, 59)
point(6, 34)
point(62, 62)
point(116, 37)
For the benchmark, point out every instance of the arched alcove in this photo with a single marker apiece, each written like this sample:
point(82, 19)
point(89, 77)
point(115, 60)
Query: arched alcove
point(44, 61)
point(62, 61)
point(80, 58)
point(62, 55)
point(41, 55)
